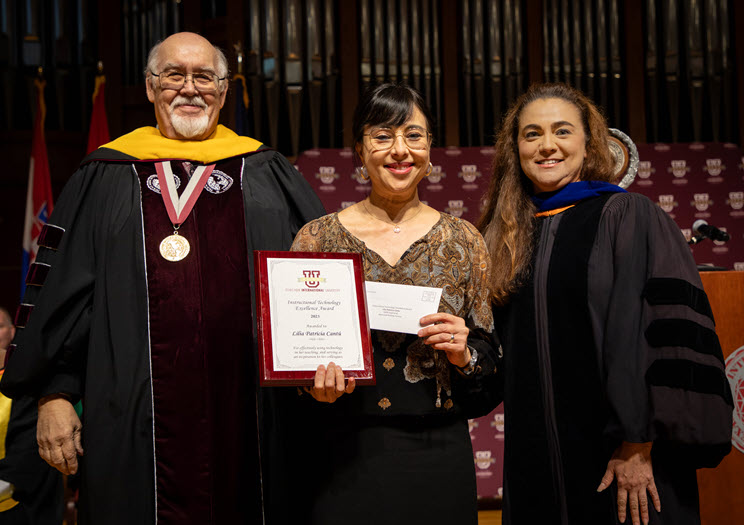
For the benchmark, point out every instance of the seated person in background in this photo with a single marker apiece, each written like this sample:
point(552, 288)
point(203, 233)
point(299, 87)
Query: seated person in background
point(31, 491)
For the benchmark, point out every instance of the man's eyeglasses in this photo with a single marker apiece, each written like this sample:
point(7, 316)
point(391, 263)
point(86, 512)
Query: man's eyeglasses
point(204, 82)
point(383, 139)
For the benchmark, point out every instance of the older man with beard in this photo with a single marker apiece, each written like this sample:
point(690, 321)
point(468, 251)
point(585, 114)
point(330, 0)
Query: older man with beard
point(139, 304)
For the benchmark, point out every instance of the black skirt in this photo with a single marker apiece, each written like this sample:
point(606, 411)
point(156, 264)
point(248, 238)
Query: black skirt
point(417, 471)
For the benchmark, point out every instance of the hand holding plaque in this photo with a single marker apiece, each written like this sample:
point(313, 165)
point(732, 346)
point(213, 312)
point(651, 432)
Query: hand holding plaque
point(311, 311)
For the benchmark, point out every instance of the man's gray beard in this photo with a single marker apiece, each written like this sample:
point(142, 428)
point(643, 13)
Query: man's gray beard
point(189, 127)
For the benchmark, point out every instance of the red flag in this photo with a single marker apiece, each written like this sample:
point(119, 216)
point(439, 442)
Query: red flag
point(39, 195)
point(99, 133)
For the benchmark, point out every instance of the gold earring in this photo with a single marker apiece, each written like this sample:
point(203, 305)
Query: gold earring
point(429, 169)
point(363, 172)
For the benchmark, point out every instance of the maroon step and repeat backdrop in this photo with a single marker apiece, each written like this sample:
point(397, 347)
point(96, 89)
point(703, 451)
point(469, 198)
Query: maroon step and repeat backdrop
point(688, 181)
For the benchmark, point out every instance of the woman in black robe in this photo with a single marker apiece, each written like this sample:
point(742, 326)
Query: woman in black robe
point(615, 389)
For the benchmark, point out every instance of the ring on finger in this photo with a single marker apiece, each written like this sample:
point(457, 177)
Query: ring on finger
point(452, 338)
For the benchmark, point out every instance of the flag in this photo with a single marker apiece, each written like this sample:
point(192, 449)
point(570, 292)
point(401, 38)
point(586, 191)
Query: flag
point(242, 127)
point(98, 133)
point(39, 194)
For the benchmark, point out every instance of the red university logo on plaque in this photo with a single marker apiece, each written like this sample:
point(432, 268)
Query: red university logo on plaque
point(312, 278)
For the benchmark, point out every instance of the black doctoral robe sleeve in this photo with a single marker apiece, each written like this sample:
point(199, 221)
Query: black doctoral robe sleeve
point(278, 201)
point(481, 392)
point(55, 320)
point(663, 365)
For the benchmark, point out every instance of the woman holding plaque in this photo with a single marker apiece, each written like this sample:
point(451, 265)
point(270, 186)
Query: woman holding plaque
point(614, 384)
point(400, 451)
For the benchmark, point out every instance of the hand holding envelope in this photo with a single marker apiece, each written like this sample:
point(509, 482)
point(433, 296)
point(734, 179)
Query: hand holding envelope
point(448, 333)
point(405, 309)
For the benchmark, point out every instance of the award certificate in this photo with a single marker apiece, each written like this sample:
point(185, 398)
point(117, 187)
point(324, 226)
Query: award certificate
point(311, 311)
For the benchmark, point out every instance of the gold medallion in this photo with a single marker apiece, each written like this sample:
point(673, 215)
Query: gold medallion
point(174, 248)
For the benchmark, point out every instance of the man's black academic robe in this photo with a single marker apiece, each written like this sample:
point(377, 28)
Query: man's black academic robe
point(107, 320)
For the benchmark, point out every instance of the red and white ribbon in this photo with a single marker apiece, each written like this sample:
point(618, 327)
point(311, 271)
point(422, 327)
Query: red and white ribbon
point(180, 207)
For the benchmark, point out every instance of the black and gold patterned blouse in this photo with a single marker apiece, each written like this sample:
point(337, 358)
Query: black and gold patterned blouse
point(412, 378)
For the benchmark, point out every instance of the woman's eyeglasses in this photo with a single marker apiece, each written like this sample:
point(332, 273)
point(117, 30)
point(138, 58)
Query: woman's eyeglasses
point(384, 138)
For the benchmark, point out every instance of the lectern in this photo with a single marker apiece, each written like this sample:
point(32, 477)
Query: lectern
point(722, 488)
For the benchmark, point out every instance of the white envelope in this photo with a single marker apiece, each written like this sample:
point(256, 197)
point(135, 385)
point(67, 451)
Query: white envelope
point(398, 307)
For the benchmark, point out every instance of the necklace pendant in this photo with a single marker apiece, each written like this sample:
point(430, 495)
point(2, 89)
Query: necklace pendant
point(396, 229)
point(174, 248)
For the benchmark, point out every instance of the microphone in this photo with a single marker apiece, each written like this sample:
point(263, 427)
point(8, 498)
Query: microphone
point(704, 229)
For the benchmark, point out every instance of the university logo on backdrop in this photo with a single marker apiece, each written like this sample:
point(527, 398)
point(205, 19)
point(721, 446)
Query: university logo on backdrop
point(667, 203)
point(469, 173)
point(456, 208)
point(327, 176)
point(498, 424)
point(645, 170)
point(679, 169)
point(702, 202)
point(434, 179)
point(484, 459)
point(736, 202)
point(714, 168)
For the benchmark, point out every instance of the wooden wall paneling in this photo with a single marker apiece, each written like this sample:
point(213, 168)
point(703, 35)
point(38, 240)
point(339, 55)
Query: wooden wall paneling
point(577, 41)
point(716, 34)
point(517, 55)
point(416, 31)
point(495, 60)
point(565, 40)
point(224, 32)
point(479, 78)
point(634, 85)
point(672, 67)
point(722, 488)
point(728, 72)
point(110, 52)
point(437, 101)
point(450, 73)
point(601, 96)
point(349, 71)
point(695, 68)
point(535, 56)
point(589, 54)
point(466, 54)
point(331, 49)
point(425, 39)
point(617, 118)
point(738, 16)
